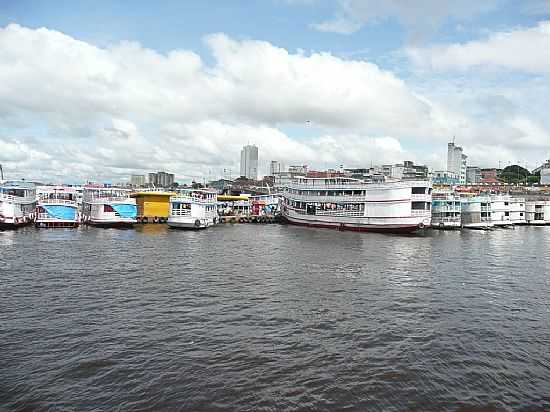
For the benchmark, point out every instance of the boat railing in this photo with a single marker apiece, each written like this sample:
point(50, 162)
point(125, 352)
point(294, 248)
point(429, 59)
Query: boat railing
point(339, 213)
point(57, 201)
point(92, 199)
point(421, 212)
point(192, 199)
point(326, 199)
point(22, 199)
point(181, 212)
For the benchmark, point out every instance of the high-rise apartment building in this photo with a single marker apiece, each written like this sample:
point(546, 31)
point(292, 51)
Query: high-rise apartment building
point(161, 179)
point(456, 161)
point(275, 167)
point(137, 180)
point(249, 162)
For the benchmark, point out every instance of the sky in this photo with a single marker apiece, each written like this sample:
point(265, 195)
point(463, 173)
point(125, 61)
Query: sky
point(98, 90)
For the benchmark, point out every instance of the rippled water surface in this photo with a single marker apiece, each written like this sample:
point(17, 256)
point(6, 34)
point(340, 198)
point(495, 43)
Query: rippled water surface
point(274, 317)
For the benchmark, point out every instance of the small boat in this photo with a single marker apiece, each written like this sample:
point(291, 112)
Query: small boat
point(57, 207)
point(193, 209)
point(17, 204)
point(108, 206)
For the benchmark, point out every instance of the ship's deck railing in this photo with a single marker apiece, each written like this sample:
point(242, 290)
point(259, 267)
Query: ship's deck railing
point(91, 199)
point(57, 201)
point(22, 199)
point(191, 199)
point(46, 216)
point(339, 213)
point(326, 199)
point(181, 212)
point(421, 212)
point(455, 219)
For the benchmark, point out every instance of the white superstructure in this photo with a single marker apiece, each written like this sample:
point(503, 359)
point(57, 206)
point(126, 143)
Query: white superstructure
point(517, 211)
point(108, 206)
point(17, 204)
point(476, 212)
point(57, 207)
point(537, 212)
point(352, 204)
point(446, 210)
point(501, 210)
point(193, 209)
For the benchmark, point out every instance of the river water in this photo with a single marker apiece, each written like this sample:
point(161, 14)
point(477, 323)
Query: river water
point(273, 317)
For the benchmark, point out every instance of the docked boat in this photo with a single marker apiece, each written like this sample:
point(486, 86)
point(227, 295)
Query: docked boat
point(446, 210)
point(108, 206)
point(57, 207)
point(537, 212)
point(518, 211)
point(193, 209)
point(476, 213)
point(501, 210)
point(353, 204)
point(17, 204)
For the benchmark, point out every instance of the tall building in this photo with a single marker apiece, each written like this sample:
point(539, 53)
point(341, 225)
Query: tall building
point(249, 162)
point(456, 161)
point(473, 175)
point(161, 179)
point(275, 167)
point(545, 173)
point(137, 180)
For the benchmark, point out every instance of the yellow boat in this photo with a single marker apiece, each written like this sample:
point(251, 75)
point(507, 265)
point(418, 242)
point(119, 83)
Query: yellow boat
point(152, 207)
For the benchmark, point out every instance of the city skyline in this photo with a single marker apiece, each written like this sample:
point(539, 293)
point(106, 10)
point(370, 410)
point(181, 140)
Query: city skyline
point(93, 96)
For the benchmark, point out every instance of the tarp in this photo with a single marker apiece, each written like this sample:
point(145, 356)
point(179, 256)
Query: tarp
point(125, 210)
point(60, 212)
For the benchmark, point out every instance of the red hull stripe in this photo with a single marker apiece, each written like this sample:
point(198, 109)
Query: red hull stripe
point(372, 228)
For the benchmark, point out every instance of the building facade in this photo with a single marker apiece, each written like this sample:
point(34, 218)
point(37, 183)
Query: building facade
point(457, 161)
point(545, 174)
point(249, 162)
point(161, 179)
point(473, 175)
point(275, 167)
point(137, 180)
point(489, 175)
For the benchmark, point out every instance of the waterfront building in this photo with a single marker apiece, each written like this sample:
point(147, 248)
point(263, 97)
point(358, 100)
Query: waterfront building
point(153, 206)
point(351, 204)
point(17, 204)
point(405, 171)
point(489, 175)
point(161, 179)
point(473, 175)
point(108, 206)
point(249, 162)
point(443, 177)
point(193, 209)
point(456, 161)
point(476, 212)
point(446, 210)
point(57, 207)
point(501, 210)
point(517, 211)
point(137, 180)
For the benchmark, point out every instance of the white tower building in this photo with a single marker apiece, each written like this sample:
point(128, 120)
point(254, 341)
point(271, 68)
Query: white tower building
point(249, 162)
point(456, 161)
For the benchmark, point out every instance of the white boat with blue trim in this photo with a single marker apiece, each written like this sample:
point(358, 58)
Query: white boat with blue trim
point(57, 207)
point(108, 206)
point(193, 209)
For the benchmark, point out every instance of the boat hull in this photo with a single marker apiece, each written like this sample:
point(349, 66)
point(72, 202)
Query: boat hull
point(356, 227)
point(189, 223)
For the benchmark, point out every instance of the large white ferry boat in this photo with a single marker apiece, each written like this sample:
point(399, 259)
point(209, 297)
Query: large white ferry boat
point(57, 207)
point(193, 209)
point(106, 206)
point(17, 204)
point(446, 210)
point(352, 204)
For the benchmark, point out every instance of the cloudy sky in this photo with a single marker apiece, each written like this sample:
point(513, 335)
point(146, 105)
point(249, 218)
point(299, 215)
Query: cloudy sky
point(97, 90)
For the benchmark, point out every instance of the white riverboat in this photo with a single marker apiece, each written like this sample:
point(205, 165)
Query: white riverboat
point(518, 212)
point(446, 210)
point(108, 206)
point(476, 212)
point(353, 204)
point(17, 204)
point(57, 207)
point(193, 209)
point(501, 210)
point(537, 212)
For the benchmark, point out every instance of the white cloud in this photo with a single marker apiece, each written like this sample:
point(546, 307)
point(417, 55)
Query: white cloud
point(75, 111)
point(523, 49)
point(420, 17)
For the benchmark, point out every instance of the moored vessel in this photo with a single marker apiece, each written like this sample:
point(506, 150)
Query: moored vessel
point(476, 212)
point(446, 210)
point(17, 204)
point(357, 205)
point(193, 209)
point(57, 207)
point(108, 206)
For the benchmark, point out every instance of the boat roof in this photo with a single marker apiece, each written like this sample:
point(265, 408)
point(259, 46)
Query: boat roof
point(15, 184)
point(232, 198)
point(152, 193)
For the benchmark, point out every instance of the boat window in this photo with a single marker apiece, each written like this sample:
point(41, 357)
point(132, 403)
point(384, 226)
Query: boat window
point(418, 190)
point(418, 205)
